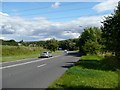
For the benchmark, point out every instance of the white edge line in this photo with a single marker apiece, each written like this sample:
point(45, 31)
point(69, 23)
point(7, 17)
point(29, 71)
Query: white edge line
point(27, 62)
point(41, 65)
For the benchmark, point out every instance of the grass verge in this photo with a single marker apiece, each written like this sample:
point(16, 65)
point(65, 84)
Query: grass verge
point(90, 72)
point(18, 57)
point(58, 52)
point(13, 53)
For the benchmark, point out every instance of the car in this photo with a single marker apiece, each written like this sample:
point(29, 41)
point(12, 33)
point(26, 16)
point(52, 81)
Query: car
point(46, 54)
point(65, 51)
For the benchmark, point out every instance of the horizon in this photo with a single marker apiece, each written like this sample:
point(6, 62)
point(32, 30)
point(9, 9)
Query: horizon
point(38, 40)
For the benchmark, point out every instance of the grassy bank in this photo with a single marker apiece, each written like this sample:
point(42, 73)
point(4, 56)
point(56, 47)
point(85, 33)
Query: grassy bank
point(90, 72)
point(12, 53)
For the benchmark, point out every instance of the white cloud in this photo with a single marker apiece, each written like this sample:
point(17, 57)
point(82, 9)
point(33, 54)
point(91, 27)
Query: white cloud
point(56, 5)
point(106, 5)
point(1, 37)
point(42, 29)
point(3, 14)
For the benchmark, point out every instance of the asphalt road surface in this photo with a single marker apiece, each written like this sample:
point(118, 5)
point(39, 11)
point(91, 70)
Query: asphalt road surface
point(36, 73)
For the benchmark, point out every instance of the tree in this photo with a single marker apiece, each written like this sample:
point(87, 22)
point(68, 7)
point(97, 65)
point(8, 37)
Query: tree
point(91, 47)
point(52, 45)
point(21, 41)
point(9, 42)
point(111, 31)
point(90, 40)
point(70, 44)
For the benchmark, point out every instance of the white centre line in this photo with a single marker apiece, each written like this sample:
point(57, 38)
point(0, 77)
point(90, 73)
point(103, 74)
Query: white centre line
point(41, 65)
point(27, 62)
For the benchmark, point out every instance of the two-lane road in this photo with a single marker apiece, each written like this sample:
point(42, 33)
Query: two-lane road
point(36, 73)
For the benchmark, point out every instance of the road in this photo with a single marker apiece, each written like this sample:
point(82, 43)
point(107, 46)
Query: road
point(36, 73)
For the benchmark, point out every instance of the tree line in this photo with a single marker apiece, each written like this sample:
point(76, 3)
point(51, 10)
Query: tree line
point(52, 44)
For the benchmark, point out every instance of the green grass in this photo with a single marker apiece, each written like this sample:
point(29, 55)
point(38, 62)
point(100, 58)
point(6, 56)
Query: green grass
point(18, 57)
point(0, 53)
point(90, 72)
point(58, 52)
point(12, 53)
point(91, 57)
point(20, 50)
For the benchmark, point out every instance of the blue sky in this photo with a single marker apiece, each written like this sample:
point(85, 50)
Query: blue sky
point(72, 10)
point(45, 20)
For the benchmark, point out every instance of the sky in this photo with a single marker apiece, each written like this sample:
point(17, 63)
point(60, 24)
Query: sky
point(35, 21)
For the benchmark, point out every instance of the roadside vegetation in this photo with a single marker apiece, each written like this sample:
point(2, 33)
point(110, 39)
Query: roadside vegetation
point(90, 72)
point(0, 53)
point(11, 53)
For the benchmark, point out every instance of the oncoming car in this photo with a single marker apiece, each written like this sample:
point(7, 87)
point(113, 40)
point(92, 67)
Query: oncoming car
point(65, 51)
point(46, 54)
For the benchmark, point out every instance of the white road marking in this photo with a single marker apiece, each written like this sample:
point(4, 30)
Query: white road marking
point(41, 65)
point(27, 62)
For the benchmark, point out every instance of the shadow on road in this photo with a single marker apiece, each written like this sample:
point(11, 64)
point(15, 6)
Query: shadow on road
point(76, 54)
point(70, 64)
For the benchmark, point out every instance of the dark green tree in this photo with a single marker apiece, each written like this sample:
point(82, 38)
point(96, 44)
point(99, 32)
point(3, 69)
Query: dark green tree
point(21, 41)
point(9, 42)
point(90, 40)
point(70, 44)
point(111, 31)
point(92, 47)
point(52, 45)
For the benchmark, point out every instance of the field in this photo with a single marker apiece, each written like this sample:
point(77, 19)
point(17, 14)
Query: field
point(90, 72)
point(11, 53)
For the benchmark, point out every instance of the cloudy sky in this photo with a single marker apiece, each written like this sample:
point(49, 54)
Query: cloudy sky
point(33, 21)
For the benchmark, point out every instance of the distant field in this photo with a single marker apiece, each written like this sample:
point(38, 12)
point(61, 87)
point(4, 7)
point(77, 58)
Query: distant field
point(11, 53)
point(89, 72)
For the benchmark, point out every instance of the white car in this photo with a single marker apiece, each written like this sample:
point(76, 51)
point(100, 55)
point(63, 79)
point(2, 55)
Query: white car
point(46, 54)
point(65, 51)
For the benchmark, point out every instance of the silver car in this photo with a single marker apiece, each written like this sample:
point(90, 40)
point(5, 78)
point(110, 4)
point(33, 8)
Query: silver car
point(46, 54)
point(65, 51)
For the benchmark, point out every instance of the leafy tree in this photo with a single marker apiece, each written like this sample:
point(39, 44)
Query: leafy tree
point(41, 43)
point(70, 44)
point(90, 40)
point(9, 42)
point(111, 31)
point(21, 41)
point(52, 44)
point(91, 47)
